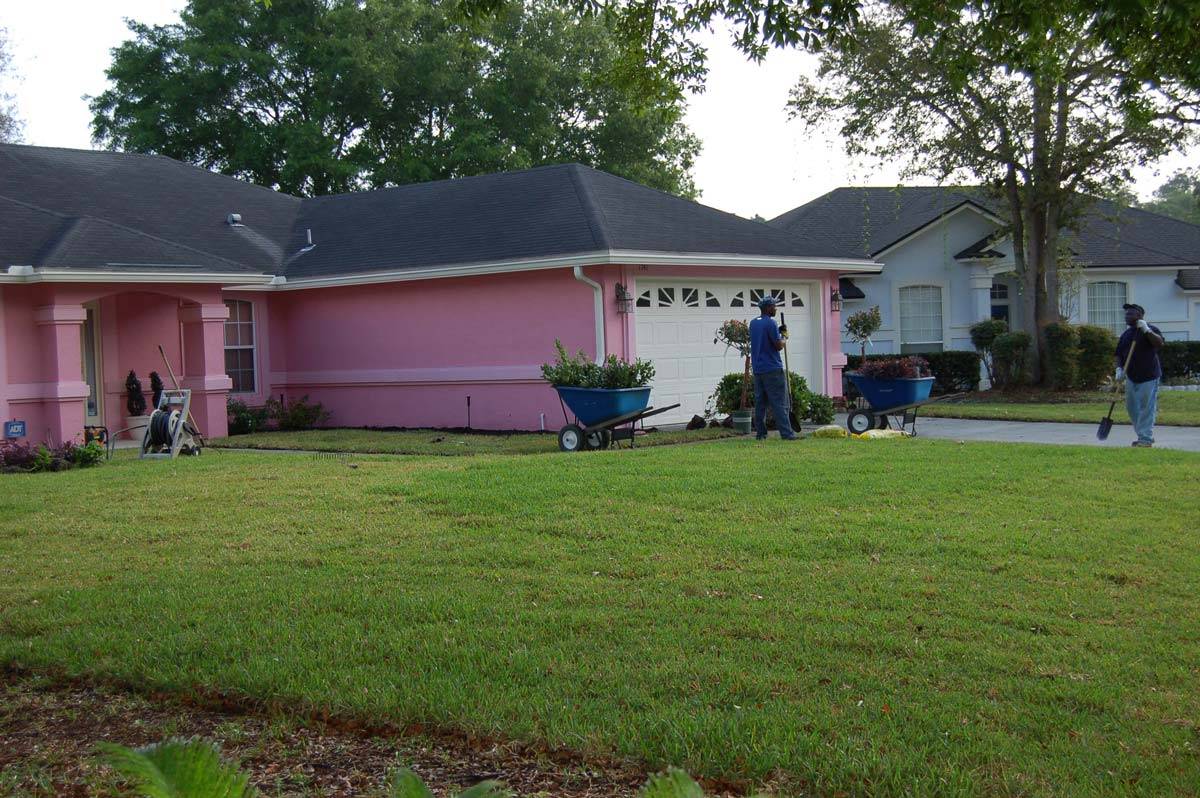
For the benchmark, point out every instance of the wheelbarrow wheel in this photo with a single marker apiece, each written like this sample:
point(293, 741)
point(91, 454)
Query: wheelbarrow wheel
point(860, 421)
point(600, 439)
point(571, 438)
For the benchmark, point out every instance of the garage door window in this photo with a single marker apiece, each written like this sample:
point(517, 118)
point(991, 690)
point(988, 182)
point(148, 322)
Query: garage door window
point(920, 318)
point(677, 297)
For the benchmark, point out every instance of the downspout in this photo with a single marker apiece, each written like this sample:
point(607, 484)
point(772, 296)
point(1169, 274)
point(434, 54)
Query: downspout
point(598, 309)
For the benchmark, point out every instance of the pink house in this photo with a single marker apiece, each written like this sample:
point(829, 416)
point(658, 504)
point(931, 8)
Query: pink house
point(395, 307)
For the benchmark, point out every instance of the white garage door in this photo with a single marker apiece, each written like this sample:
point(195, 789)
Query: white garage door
point(676, 323)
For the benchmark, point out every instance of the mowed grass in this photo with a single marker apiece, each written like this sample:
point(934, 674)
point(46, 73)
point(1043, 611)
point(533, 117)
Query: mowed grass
point(437, 442)
point(1175, 408)
point(829, 616)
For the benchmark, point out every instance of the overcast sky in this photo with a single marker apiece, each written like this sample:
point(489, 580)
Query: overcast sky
point(754, 160)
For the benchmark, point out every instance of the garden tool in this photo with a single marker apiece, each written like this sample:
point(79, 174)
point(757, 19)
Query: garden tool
point(175, 382)
point(787, 381)
point(1106, 423)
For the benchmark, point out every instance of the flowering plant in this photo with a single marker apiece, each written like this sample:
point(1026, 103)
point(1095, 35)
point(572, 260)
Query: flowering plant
point(895, 368)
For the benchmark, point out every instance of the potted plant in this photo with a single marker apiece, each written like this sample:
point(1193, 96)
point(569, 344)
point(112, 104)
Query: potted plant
point(892, 382)
point(597, 392)
point(156, 389)
point(735, 334)
point(135, 403)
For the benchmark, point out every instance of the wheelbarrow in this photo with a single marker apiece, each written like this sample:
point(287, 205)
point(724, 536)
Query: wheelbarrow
point(600, 414)
point(890, 403)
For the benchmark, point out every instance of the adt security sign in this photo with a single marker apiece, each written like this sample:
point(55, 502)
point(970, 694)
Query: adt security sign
point(14, 429)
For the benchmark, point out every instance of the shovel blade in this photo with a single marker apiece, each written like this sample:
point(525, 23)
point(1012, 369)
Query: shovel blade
point(1106, 425)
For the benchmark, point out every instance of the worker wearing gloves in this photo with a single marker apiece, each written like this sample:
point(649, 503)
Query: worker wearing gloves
point(1143, 372)
point(766, 342)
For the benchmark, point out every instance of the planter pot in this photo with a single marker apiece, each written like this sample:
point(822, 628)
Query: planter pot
point(139, 422)
point(743, 420)
point(593, 405)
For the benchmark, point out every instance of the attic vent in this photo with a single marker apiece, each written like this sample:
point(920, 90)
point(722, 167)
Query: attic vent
point(234, 219)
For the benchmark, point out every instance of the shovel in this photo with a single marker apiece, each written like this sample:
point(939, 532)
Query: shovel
point(787, 382)
point(1106, 423)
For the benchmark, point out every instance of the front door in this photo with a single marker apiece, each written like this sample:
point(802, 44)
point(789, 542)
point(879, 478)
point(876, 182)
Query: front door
point(90, 346)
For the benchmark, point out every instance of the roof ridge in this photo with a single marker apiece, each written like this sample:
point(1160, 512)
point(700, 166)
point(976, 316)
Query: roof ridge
point(596, 218)
point(458, 179)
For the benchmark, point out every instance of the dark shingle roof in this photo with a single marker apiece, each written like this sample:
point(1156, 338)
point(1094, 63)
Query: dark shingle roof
point(92, 209)
point(1108, 235)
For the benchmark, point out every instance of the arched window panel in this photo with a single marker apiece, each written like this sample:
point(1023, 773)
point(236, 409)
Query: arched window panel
point(710, 300)
point(666, 297)
point(643, 300)
point(690, 297)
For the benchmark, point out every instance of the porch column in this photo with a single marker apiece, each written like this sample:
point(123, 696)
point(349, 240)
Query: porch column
point(981, 305)
point(204, 365)
point(63, 390)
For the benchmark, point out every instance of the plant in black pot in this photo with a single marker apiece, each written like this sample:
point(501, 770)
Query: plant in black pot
point(888, 384)
point(735, 334)
point(135, 404)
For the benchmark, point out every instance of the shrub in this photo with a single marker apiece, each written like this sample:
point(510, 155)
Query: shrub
point(820, 409)
point(23, 457)
point(895, 368)
point(156, 388)
point(728, 394)
point(1062, 356)
point(983, 338)
point(244, 419)
point(297, 414)
point(1010, 352)
point(955, 370)
point(578, 371)
point(135, 400)
point(1097, 345)
point(89, 454)
point(1180, 360)
point(861, 325)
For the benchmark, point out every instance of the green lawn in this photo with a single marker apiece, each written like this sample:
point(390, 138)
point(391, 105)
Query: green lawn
point(434, 442)
point(1177, 408)
point(839, 617)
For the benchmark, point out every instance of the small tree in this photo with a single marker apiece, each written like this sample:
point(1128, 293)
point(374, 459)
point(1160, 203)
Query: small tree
point(983, 338)
point(156, 388)
point(735, 334)
point(861, 325)
point(135, 401)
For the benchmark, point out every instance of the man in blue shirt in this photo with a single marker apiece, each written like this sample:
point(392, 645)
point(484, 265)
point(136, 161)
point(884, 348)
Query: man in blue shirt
point(1142, 375)
point(770, 385)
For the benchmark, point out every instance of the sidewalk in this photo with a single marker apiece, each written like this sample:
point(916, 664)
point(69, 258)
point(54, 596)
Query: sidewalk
point(1182, 438)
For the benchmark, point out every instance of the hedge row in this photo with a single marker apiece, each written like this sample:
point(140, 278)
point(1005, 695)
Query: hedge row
point(954, 370)
point(1180, 360)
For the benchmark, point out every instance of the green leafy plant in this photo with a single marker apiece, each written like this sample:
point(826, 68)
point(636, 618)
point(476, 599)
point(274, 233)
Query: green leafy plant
point(820, 409)
point(1062, 356)
point(406, 784)
point(909, 367)
point(578, 371)
point(1010, 353)
point(1180, 360)
point(297, 414)
point(955, 370)
point(25, 458)
point(244, 419)
point(674, 783)
point(178, 769)
point(728, 395)
point(1097, 345)
point(156, 388)
point(135, 400)
point(735, 334)
point(89, 454)
point(863, 324)
point(983, 338)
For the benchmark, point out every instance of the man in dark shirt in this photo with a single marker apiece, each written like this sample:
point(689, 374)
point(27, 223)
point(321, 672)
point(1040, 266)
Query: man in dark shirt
point(1142, 375)
point(770, 385)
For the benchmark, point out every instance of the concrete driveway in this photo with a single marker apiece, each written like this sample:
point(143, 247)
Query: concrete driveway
point(1183, 438)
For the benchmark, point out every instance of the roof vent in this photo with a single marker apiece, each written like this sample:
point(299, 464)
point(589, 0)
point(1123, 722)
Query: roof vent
point(309, 245)
point(234, 219)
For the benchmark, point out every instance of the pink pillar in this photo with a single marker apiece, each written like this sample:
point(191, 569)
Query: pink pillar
point(63, 390)
point(204, 365)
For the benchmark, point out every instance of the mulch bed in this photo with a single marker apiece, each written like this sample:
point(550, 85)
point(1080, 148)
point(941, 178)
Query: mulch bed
point(49, 728)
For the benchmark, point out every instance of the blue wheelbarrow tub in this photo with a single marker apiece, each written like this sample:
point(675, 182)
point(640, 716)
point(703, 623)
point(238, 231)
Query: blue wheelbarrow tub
point(886, 394)
point(594, 405)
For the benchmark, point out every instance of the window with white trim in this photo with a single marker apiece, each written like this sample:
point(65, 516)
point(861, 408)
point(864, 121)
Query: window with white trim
point(1104, 301)
point(920, 318)
point(239, 345)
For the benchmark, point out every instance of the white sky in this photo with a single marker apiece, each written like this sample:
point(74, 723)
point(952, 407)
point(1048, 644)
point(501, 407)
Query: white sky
point(754, 160)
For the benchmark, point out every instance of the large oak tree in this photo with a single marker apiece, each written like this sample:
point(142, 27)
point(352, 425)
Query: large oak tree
point(324, 96)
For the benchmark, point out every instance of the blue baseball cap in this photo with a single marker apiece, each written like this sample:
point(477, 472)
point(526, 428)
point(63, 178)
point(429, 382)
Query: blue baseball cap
point(767, 301)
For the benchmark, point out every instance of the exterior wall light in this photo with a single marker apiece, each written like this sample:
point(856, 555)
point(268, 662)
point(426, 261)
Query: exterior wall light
point(624, 300)
point(835, 301)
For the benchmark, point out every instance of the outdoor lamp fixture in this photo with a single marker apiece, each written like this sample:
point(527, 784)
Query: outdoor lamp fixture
point(624, 299)
point(835, 301)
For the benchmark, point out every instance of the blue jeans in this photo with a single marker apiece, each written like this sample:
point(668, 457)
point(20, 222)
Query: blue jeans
point(1141, 400)
point(771, 388)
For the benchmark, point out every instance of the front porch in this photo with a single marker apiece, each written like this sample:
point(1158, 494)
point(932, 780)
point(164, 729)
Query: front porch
point(68, 348)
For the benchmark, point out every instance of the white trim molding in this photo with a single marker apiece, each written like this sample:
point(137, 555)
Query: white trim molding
point(29, 274)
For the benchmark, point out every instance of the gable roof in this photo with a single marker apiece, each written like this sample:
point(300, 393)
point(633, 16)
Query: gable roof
point(95, 210)
point(1108, 235)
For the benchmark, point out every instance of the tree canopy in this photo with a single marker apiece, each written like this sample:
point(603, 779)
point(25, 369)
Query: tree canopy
point(1179, 196)
point(1045, 119)
point(10, 123)
point(325, 96)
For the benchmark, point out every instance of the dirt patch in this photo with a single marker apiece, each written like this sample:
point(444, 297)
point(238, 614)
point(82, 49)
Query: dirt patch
point(48, 732)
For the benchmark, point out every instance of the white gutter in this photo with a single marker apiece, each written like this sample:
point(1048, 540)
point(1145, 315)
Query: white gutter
point(597, 309)
point(29, 274)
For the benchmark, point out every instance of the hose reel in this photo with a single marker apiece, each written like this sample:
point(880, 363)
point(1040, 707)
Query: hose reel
point(168, 433)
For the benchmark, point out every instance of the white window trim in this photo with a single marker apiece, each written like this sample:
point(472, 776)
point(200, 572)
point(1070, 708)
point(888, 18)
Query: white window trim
point(253, 347)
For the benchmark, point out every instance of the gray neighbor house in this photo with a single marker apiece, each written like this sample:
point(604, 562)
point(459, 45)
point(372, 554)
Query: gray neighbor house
point(947, 264)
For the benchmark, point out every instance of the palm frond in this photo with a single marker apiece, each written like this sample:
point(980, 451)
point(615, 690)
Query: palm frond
point(178, 769)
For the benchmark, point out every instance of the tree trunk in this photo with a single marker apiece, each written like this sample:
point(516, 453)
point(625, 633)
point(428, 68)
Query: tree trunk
point(745, 385)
